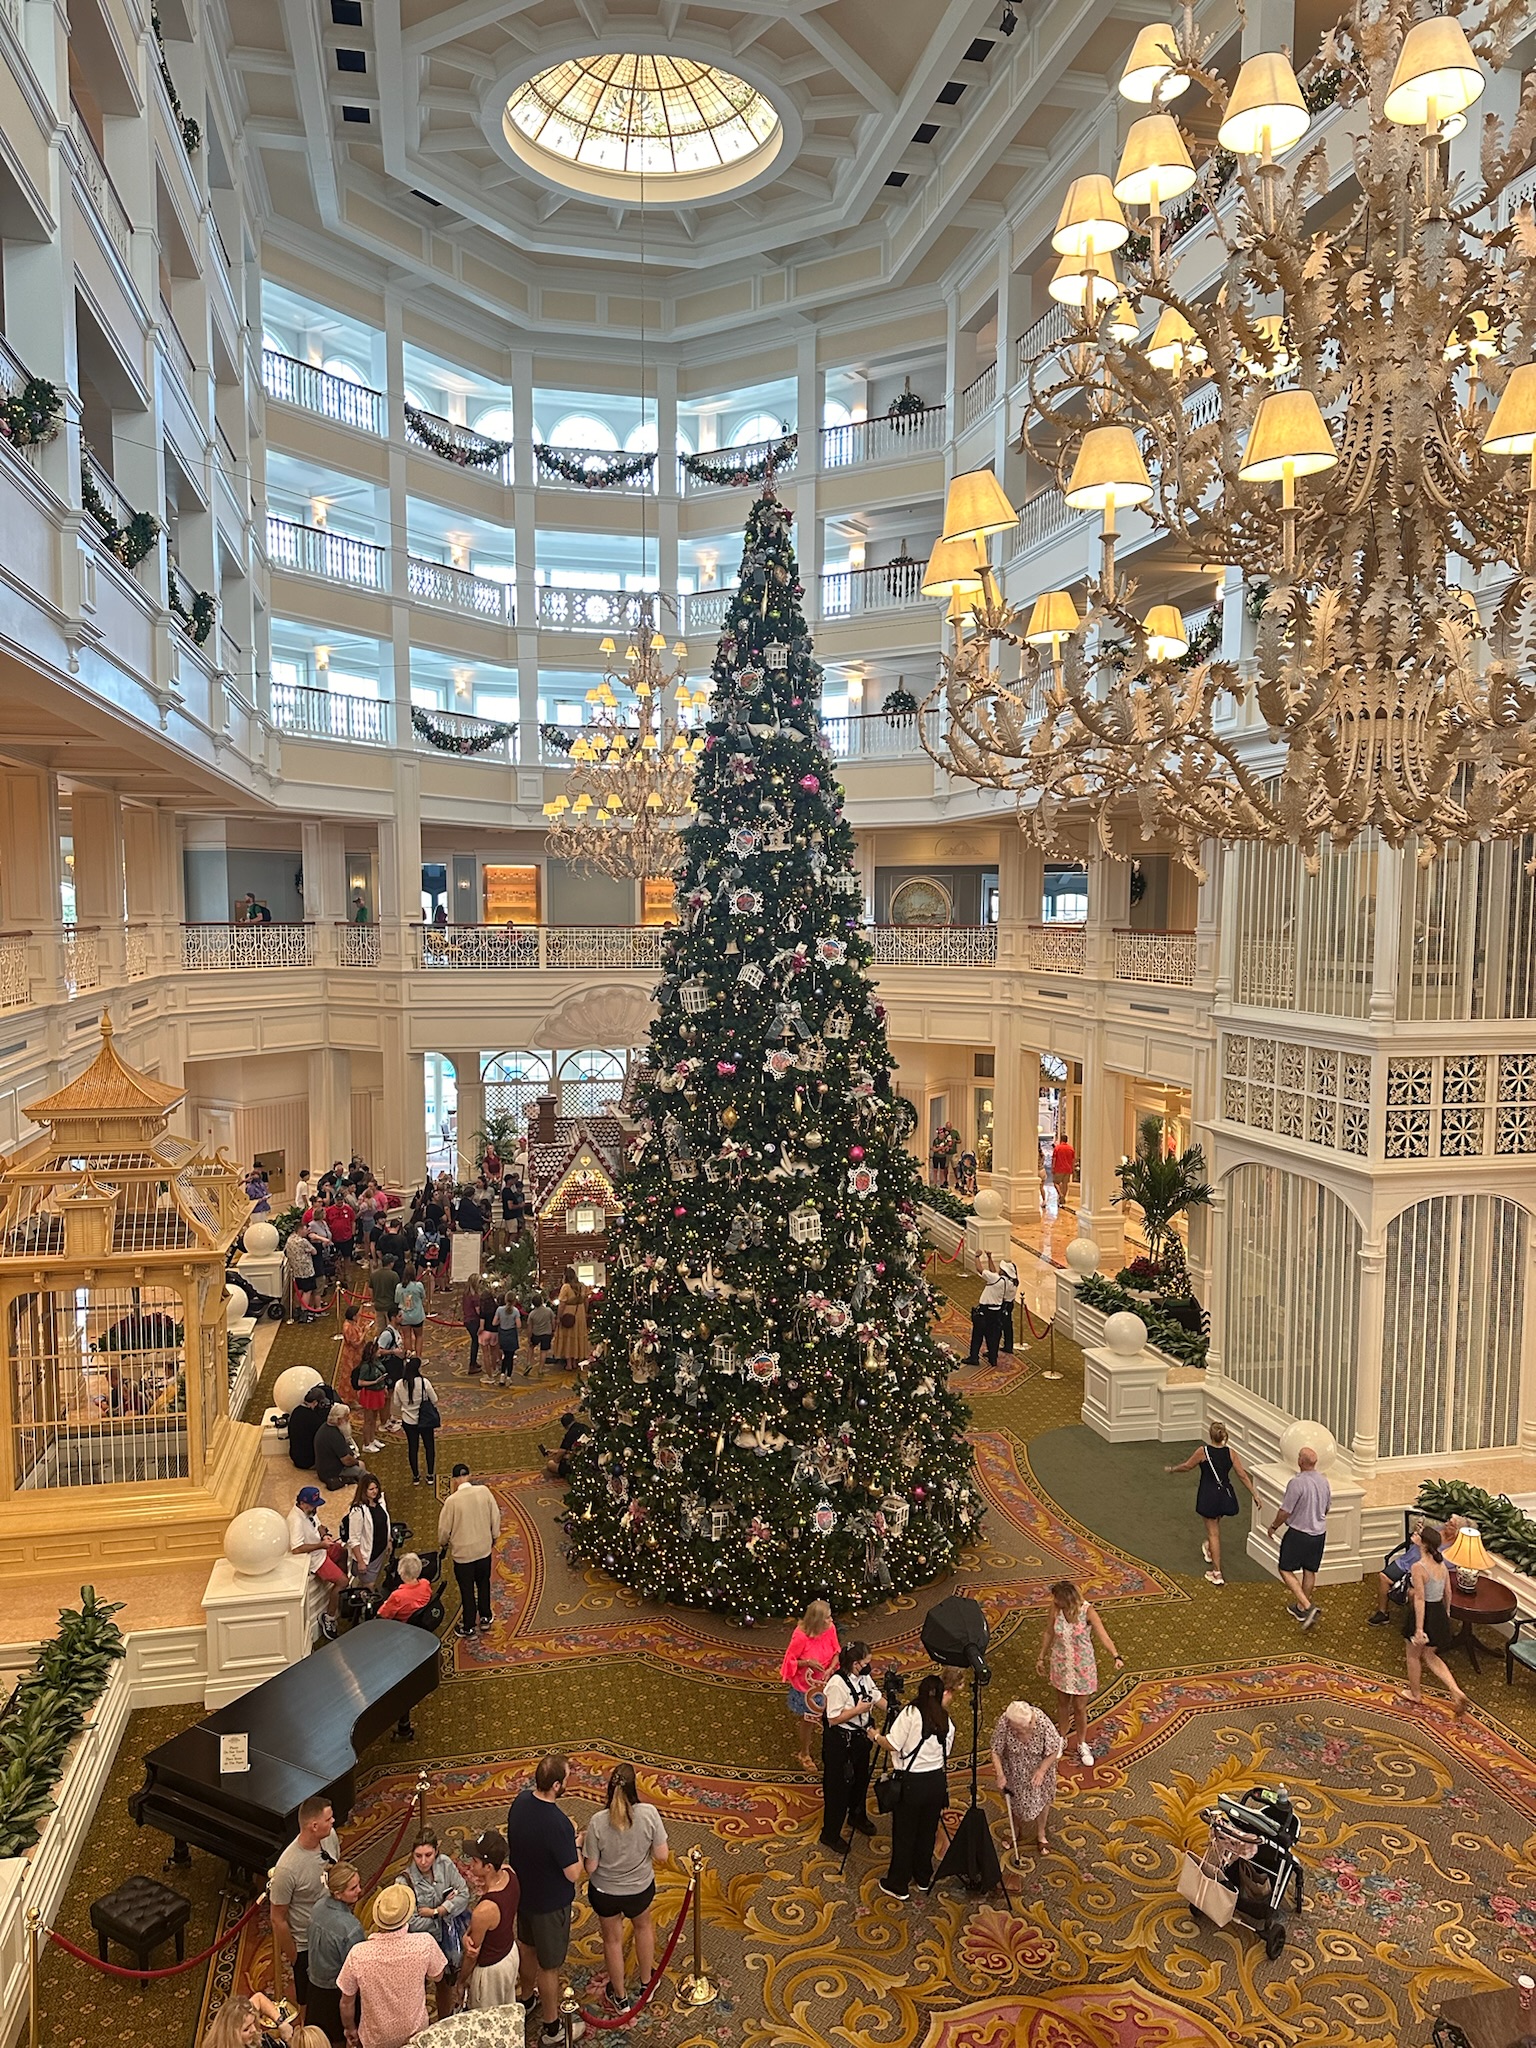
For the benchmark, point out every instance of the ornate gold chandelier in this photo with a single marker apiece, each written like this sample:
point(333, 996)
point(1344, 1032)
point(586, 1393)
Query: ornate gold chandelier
point(631, 779)
point(1347, 415)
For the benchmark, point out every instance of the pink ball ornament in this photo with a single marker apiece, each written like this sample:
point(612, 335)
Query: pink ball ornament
point(810, 782)
point(919, 1493)
point(679, 1210)
point(855, 1152)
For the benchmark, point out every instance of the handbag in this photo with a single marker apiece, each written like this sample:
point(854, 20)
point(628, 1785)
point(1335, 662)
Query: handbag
point(428, 1416)
point(567, 1319)
point(888, 1790)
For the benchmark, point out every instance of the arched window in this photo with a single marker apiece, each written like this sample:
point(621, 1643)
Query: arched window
point(762, 426)
point(1452, 1337)
point(583, 430)
point(495, 423)
point(337, 366)
point(514, 1081)
point(641, 440)
point(835, 414)
point(1292, 1286)
point(591, 1080)
point(414, 398)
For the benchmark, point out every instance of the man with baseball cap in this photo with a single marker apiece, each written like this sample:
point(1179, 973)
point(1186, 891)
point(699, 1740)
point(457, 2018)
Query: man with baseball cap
point(326, 1556)
point(468, 1524)
point(388, 1973)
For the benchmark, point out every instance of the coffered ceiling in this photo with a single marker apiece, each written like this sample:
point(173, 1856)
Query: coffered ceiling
point(907, 128)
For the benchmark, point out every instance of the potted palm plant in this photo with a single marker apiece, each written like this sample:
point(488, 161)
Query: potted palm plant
point(1163, 1185)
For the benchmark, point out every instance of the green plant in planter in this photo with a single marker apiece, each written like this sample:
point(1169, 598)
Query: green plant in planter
point(1168, 1319)
point(947, 1203)
point(46, 1712)
point(1506, 1529)
point(1164, 1185)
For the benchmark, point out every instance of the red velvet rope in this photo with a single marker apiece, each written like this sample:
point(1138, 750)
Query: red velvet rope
point(172, 1969)
point(192, 1962)
point(606, 2025)
point(1036, 1330)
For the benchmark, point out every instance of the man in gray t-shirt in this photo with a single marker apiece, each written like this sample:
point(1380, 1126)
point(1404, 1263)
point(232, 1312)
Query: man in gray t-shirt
point(298, 1885)
point(1304, 1511)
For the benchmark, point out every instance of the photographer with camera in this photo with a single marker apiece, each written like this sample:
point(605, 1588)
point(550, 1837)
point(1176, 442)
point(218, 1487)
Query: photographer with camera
point(920, 1739)
point(846, 1749)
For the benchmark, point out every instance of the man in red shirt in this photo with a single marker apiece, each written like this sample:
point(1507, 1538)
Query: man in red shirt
point(341, 1221)
point(1063, 1161)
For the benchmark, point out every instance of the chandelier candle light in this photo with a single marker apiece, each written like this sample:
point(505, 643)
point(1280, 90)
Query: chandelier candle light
point(1376, 364)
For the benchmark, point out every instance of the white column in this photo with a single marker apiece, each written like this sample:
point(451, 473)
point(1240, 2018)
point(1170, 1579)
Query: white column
point(1215, 1297)
point(400, 863)
point(1387, 943)
point(1369, 1330)
point(330, 1106)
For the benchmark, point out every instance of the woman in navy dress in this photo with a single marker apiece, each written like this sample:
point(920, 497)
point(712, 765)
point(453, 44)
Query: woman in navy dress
point(1217, 1496)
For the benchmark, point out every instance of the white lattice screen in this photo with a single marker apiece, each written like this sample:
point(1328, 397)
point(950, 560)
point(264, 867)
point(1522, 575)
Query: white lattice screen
point(1306, 942)
point(1292, 1295)
point(1455, 1326)
point(1315, 1093)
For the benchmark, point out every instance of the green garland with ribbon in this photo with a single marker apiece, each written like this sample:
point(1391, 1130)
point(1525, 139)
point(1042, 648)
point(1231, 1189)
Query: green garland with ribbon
point(197, 623)
point(905, 408)
point(448, 741)
point(723, 466)
point(31, 416)
point(130, 542)
point(487, 456)
point(900, 706)
point(191, 133)
point(593, 468)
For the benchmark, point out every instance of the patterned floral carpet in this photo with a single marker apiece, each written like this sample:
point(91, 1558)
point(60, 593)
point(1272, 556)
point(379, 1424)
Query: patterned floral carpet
point(1419, 1833)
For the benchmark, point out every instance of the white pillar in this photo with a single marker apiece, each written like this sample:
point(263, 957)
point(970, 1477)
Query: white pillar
point(1369, 1330)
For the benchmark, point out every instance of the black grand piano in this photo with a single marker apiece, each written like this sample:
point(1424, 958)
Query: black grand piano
point(308, 1727)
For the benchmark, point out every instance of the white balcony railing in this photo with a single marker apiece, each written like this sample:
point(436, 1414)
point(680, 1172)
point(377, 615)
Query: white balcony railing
point(317, 551)
point(580, 609)
point(893, 587)
point(80, 958)
point(1048, 332)
point(978, 397)
point(15, 971)
point(704, 611)
point(883, 440)
point(332, 715)
point(461, 725)
point(136, 957)
point(473, 948)
point(726, 466)
point(312, 389)
point(100, 190)
point(1056, 948)
point(1164, 958)
point(177, 353)
point(14, 376)
point(871, 736)
point(611, 945)
point(1041, 516)
point(215, 948)
point(475, 454)
point(458, 590)
point(357, 945)
point(934, 945)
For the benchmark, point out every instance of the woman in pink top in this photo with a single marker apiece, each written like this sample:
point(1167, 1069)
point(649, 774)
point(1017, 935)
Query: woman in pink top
point(812, 1654)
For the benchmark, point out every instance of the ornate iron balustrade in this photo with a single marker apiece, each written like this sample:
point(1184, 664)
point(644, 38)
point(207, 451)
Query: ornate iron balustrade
point(136, 959)
point(1057, 948)
point(15, 971)
point(357, 945)
point(934, 945)
point(215, 948)
point(1164, 958)
point(80, 958)
point(479, 446)
point(100, 190)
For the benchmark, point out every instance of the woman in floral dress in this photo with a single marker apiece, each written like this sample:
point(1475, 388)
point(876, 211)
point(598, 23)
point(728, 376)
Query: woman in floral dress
point(1068, 1642)
point(1025, 1746)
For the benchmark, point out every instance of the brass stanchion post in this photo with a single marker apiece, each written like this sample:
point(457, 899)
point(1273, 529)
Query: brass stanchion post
point(421, 1802)
point(697, 1989)
point(570, 2011)
point(34, 1918)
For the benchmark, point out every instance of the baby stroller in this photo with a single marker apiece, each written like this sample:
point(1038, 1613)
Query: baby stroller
point(270, 1305)
point(1249, 1864)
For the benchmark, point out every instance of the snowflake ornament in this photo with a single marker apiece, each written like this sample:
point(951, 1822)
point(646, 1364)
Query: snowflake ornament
point(863, 1180)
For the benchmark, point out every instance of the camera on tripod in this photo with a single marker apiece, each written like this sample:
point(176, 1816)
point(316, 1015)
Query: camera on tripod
point(894, 1686)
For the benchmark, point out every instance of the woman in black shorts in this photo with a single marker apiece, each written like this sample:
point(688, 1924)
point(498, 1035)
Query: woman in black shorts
point(621, 1846)
point(1427, 1622)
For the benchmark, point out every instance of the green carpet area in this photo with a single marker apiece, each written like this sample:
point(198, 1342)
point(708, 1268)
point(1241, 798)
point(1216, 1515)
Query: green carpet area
point(1122, 1493)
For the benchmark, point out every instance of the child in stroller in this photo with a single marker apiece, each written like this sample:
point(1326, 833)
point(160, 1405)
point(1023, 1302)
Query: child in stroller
point(1249, 1864)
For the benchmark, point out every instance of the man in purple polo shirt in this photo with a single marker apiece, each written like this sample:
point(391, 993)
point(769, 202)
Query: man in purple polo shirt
point(1304, 1511)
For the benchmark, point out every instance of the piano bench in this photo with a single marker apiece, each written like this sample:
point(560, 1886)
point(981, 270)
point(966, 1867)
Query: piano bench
point(138, 1916)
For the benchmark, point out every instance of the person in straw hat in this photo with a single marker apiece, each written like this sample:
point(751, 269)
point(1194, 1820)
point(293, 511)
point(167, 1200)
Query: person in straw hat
point(388, 1973)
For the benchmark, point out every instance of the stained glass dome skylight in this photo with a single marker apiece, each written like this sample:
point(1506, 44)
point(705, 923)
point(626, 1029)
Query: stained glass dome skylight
point(604, 124)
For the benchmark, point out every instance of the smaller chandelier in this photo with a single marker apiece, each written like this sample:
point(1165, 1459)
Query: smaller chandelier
point(631, 779)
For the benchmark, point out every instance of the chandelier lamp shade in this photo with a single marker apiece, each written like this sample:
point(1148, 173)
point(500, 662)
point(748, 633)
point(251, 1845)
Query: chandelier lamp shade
point(1319, 374)
point(1151, 71)
point(954, 565)
point(976, 505)
point(1266, 114)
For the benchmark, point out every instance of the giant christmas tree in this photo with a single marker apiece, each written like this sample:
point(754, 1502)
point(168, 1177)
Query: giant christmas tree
point(771, 1419)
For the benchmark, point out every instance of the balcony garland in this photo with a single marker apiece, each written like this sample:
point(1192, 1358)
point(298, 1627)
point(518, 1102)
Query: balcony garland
point(718, 467)
point(593, 469)
point(129, 543)
point(557, 739)
point(32, 415)
point(486, 456)
point(191, 133)
point(447, 741)
point(906, 408)
point(900, 707)
point(197, 623)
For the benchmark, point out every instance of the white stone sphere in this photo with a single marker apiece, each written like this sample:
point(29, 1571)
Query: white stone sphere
point(1301, 1435)
point(260, 1237)
point(1082, 1256)
point(292, 1386)
point(988, 1205)
point(237, 1302)
point(1125, 1334)
point(256, 1542)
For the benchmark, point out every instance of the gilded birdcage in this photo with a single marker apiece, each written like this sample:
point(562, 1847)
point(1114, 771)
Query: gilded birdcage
point(113, 1239)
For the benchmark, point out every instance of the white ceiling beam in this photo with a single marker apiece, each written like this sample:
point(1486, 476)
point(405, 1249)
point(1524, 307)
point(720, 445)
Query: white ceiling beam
point(450, 141)
point(848, 64)
point(466, 18)
point(829, 145)
point(443, 99)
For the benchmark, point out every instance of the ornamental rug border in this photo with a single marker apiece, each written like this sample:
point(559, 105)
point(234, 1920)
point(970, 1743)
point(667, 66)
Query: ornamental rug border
point(594, 1617)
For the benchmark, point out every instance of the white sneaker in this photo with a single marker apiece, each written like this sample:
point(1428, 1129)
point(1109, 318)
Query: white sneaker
point(1205, 1552)
point(1215, 1578)
point(1085, 1755)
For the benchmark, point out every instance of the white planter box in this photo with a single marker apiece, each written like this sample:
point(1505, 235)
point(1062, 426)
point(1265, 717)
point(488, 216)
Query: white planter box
point(939, 1230)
